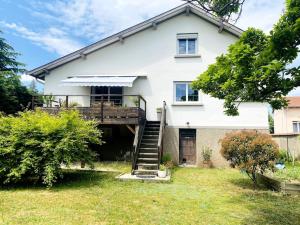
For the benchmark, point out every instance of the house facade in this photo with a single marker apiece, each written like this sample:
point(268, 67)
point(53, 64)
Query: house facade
point(150, 67)
point(287, 120)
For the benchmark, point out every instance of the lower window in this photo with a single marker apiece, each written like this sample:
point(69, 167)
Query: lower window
point(183, 92)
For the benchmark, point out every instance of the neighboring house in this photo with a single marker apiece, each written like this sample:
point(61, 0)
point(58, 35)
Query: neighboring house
point(287, 120)
point(287, 127)
point(126, 78)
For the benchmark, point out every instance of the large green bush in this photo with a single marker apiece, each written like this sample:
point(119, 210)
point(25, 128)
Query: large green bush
point(251, 151)
point(34, 144)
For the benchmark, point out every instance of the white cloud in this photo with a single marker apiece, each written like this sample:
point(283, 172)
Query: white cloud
point(52, 39)
point(94, 19)
point(26, 78)
point(261, 14)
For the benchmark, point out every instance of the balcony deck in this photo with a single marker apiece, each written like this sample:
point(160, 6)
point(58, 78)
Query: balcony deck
point(106, 109)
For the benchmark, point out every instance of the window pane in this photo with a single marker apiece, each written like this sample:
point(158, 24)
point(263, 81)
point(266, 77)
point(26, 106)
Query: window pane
point(182, 46)
point(295, 127)
point(180, 92)
point(192, 46)
point(193, 95)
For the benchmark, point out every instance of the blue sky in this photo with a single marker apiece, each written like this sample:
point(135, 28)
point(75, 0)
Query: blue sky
point(43, 30)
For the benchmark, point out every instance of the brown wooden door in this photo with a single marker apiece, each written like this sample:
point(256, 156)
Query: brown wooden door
point(187, 146)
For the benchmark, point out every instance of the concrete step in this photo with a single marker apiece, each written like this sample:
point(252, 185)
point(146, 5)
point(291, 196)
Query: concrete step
point(145, 172)
point(147, 166)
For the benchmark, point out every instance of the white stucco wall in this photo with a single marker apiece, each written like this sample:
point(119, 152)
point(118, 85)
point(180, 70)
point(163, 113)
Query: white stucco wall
point(284, 118)
point(151, 53)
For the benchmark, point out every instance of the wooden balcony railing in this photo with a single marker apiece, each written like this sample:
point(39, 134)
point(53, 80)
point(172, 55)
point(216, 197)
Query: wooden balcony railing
point(106, 109)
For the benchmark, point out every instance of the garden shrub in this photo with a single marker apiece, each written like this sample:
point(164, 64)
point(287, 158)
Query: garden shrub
point(251, 151)
point(34, 144)
point(284, 156)
point(166, 160)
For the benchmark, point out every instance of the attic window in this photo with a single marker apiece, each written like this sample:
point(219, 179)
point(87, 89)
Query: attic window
point(187, 45)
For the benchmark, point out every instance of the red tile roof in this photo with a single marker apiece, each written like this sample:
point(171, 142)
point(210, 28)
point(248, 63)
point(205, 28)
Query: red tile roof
point(293, 102)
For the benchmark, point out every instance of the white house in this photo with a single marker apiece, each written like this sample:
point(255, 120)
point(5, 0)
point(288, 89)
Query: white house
point(157, 60)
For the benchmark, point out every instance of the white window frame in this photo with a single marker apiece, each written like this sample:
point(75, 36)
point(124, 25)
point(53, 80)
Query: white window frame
point(186, 37)
point(298, 126)
point(186, 102)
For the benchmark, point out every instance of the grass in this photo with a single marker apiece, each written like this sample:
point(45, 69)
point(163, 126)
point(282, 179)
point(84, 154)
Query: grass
point(290, 173)
point(195, 196)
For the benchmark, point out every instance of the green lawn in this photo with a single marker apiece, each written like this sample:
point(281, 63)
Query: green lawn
point(290, 173)
point(195, 196)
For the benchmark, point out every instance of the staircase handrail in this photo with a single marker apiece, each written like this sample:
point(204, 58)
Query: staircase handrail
point(161, 132)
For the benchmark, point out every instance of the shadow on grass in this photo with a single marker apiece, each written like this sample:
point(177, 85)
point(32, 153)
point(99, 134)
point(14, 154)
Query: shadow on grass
point(72, 179)
point(272, 208)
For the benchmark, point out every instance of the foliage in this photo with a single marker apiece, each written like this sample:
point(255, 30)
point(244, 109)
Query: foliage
point(162, 167)
point(13, 96)
point(271, 124)
point(167, 160)
point(34, 144)
point(250, 151)
point(206, 153)
point(283, 156)
point(257, 68)
point(166, 157)
point(221, 8)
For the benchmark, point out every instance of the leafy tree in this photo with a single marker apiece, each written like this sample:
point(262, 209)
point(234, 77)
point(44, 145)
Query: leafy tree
point(13, 96)
point(224, 9)
point(256, 67)
point(250, 151)
point(34, 144)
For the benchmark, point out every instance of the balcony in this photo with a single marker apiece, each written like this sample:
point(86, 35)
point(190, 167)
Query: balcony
point(106, 109)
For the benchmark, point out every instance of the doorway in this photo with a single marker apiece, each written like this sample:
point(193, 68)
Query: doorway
point(187, 146)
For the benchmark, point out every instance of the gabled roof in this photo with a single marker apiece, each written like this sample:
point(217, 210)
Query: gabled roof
point(153, 22)
point(293, 102)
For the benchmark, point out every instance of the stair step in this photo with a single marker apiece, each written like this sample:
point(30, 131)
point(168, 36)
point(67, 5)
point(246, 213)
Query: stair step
point(148, 148)
point(148, 154)
point(150, 145)
point(147, 166)
point(148, 159)
point(148, 172)
point(149, 141)
point(148, 151)
point(151, 128)
point(149, 136)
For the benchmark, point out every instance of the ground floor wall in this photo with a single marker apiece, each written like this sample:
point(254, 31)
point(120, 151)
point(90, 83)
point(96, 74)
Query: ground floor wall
point(205, 137)
point(289, 143)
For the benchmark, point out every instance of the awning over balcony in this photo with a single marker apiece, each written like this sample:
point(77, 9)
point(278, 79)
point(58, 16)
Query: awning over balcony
point(97, 80)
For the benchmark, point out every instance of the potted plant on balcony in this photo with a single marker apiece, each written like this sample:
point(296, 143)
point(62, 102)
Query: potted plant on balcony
point(162, 172)
point(206, 156)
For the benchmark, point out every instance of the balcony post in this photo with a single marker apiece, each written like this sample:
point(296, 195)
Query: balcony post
point(67, 101)
point(102, 108)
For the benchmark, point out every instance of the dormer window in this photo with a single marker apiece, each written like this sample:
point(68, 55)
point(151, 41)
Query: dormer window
point(187, 44)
